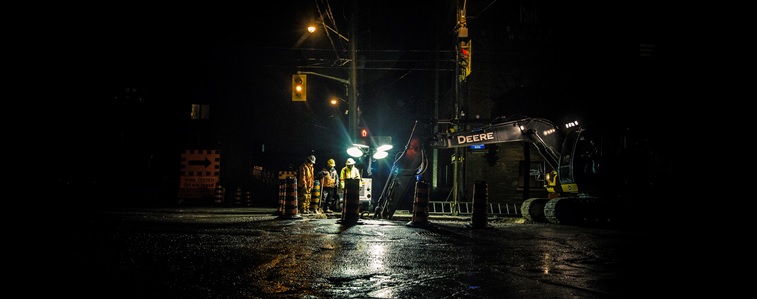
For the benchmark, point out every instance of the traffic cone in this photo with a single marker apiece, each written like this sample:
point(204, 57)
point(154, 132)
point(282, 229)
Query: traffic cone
point(289, 209)
point(238, 196)
point(420, 205)
point(480, 198)
point(248, 198)
point(315, 198)
point(218, 194)
point(351, 209)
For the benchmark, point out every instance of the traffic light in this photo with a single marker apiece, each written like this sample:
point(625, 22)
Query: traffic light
point(299, 88)
point(363, 136)
point(465, 59)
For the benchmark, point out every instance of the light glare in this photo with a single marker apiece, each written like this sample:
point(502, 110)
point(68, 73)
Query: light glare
point(354, 152)
point(380, 155)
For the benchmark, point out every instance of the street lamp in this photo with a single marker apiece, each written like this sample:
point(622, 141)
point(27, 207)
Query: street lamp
point(312, 29)
point(335, 101)
point(352, 82)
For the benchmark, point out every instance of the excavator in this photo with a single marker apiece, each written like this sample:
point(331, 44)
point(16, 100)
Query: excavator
point(592, 174)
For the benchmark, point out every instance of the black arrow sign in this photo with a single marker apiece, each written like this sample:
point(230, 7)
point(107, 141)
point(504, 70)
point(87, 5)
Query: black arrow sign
point(206, 162)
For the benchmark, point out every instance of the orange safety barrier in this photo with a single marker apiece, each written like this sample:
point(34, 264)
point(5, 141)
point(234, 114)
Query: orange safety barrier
point(218, 194)
point(315, 200)
point(289, 205)
point(238, 196)
point(420, 205)
point(282, 197)
point(248, 198)
point(480, 200)
point(351, 209)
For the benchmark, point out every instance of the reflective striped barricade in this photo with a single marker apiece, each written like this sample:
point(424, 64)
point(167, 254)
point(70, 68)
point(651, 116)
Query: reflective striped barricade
point(480, 201)
point(351, 208)
point(420, 205)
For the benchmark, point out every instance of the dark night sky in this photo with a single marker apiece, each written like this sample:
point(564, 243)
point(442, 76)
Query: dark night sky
point(239, 58)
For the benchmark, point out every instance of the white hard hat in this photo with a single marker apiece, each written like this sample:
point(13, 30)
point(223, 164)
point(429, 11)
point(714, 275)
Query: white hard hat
point(311, 158)
point(350, 161)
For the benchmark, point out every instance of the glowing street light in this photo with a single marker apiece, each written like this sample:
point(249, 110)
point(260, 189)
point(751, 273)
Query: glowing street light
point(352, 81)
point(335, 101)
point(312, 29)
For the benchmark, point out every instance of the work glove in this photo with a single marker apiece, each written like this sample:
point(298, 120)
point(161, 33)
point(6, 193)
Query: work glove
point(341, 185)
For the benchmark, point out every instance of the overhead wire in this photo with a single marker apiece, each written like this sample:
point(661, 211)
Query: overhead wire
point(330, 17)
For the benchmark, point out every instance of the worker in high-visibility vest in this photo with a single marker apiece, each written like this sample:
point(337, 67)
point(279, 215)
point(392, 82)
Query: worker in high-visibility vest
point(305, 182)
point(330, 185)
point(349, 171)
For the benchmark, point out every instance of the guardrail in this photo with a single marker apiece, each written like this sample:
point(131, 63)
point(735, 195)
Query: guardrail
point(466, 207)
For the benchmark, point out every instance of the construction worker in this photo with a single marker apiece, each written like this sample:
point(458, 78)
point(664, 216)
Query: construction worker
point(305, 181)
point(349, 171)
point(330, 184)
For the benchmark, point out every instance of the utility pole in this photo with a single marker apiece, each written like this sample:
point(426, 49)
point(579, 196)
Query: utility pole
point(462, 59)
point(352, 86)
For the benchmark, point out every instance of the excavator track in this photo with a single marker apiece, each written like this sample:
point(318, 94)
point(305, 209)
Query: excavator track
point(533, 209)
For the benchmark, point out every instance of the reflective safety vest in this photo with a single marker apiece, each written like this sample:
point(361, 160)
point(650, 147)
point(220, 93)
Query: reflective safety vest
point(329, 181)
point(306, 175)
point(350, 173)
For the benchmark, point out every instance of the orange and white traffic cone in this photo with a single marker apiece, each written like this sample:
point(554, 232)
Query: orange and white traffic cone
point(420, 205)
point(480, 198)
point(351, 209)
point(289, 208)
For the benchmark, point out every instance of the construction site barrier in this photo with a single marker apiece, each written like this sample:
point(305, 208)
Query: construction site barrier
point(248, 198)
point(480, 198)
point(466, 207)
point(420, 205)
point(238, 196)
point(315, 200)
point(351, 208)
point(288, 207)
point(218, 194)
point(282, 198)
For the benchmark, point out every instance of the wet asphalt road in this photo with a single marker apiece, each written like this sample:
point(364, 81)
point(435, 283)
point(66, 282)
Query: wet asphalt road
point(251, 253)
